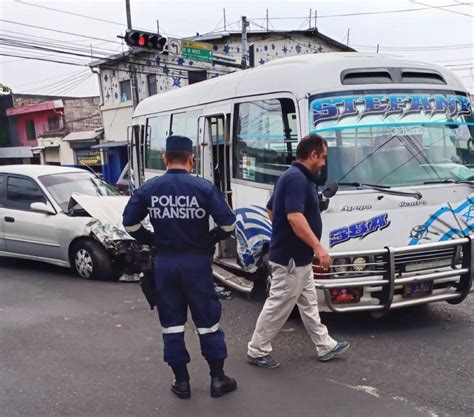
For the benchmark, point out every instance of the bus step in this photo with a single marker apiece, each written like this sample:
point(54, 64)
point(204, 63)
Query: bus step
point(229, 262)
point(231, 280)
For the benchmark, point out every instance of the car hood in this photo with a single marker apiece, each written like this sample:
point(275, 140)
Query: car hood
point(108, 210)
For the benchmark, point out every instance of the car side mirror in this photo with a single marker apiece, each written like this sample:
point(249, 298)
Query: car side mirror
point(42, 208)
point(331, 189)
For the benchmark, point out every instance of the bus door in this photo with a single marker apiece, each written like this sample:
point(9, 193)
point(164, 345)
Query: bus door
point(136, 141)
point(215, 152)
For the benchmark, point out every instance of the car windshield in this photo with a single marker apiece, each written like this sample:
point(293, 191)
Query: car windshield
point(62, 186)
point(401, 139)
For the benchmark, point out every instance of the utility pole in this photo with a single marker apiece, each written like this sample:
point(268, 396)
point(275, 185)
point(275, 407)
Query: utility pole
point(310, 17)
point(133, 71)
point(129, 14)
point(315, 19)
point(348, 33)
point(378, 47)
point(158, 26)
point(244, 47)
point(225, 23)
point(267, 20)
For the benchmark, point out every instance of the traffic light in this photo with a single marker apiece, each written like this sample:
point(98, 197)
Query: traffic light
point(140, 39)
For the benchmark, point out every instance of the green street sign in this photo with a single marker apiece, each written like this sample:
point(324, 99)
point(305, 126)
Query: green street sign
point(197, 51)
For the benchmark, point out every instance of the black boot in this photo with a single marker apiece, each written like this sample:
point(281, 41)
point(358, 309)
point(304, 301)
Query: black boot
point(182, 389)
point(221, 385)
point(180, 385)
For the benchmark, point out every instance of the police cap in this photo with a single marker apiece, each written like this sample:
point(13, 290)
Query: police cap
point(177, 143)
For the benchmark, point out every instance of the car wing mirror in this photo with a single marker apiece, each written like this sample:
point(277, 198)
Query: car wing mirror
point(331, 189)
point(42, 208)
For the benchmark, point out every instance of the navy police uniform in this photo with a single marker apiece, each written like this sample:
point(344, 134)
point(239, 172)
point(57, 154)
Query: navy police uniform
point(179, 206)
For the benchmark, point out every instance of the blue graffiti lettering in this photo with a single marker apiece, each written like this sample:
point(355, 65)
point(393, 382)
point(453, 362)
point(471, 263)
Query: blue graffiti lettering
point(358, 230)
point(341, 107)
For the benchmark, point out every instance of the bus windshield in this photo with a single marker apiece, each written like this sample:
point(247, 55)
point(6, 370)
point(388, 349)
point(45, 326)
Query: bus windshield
point(396, 138)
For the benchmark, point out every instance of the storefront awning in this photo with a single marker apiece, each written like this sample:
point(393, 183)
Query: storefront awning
point(82, 136)
point(16, 152)
point(107, 145)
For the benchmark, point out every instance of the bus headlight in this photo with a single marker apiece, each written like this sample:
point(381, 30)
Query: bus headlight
point(359, 264)
point(341, 265)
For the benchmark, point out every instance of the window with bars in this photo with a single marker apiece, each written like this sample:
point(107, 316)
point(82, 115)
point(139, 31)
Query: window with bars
point(152, 86)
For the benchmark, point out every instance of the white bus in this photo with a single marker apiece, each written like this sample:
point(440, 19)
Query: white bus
point(399, 146)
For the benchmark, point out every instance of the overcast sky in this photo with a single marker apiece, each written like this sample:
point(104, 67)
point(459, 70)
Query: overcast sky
point(444, 36)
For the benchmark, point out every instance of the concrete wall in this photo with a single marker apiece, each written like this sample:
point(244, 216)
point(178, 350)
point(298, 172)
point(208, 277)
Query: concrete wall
point(115, 119)
point(82, 113)
point(66, 154)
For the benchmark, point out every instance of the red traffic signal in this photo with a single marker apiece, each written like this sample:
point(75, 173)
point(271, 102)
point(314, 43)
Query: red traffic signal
point(137, 38)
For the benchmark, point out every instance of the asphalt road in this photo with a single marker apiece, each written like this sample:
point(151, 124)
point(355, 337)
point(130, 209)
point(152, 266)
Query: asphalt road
point(70, 347)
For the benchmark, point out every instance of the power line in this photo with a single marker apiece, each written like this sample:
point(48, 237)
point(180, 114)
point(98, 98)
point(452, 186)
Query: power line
point(21, 45)
point(145, 63)
point(442, 8)
point(70, 13)
point(122, 24)
point(72, 86)
point(362, 13)
point(419, 48)
point(59, 31)
point(103, 66)
point(60, 81)
point(56, 87)
point(64, 76)
point(43, 59)
point(26, 36)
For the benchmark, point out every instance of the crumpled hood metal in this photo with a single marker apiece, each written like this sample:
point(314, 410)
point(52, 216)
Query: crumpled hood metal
point(108, 210)
point(106, 222)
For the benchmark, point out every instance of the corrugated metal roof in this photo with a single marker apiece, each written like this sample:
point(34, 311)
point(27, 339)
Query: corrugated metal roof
point(16, 152)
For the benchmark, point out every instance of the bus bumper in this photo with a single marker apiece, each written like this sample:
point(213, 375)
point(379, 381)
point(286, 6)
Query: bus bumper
point(394, 278)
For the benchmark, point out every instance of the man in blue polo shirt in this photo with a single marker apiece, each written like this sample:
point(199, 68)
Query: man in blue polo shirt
point(297, 228)
point(179, 206)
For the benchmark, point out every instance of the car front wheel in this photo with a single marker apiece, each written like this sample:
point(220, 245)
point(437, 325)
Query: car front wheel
point(90, 260)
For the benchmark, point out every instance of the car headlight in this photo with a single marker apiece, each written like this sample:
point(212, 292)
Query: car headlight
point(359, 264)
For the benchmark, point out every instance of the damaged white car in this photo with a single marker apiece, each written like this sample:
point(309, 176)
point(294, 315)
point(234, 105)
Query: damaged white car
point(66, 217)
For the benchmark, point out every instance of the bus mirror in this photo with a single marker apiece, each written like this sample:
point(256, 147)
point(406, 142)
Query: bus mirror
point(321, 178)
point(331, 189)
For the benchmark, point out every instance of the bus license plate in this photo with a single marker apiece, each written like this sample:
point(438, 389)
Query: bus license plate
point(418, 289)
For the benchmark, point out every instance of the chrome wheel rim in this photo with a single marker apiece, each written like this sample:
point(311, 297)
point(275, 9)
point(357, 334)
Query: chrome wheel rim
point(84, 264)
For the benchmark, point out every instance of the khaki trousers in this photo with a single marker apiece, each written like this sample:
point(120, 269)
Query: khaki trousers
point(290, 285)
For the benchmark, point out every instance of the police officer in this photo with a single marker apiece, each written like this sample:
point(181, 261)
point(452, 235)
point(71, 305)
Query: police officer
point(179, 206)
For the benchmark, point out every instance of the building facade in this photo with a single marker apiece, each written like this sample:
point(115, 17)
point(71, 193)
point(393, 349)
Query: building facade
point(160, 72)
point(45, 124)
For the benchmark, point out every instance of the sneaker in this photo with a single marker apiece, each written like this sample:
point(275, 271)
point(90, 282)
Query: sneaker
point(263, 361)
point(182, 389)
point(339, 349)
point(221, 385)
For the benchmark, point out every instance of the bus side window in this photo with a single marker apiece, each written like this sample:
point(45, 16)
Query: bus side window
point(187, 124)
point(265, 138)
point(156, 142)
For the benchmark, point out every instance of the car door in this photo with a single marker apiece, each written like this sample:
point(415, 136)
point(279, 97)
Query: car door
point(27, 232)
point(2, 194)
